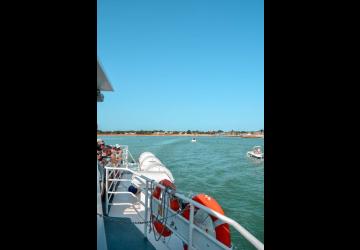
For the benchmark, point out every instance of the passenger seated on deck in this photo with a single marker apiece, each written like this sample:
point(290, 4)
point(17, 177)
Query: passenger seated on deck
point(102, 159)
point(113, 159)
point(101, 144)
point(107, 151)
point(99, 155)
point(118, 152)
point(101, 165)
point(99, 149)
point(113, 150)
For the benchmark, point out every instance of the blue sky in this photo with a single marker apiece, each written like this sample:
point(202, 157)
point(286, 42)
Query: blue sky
point(182, 64)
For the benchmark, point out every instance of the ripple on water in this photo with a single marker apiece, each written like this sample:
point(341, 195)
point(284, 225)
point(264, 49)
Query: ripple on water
point(217, 166)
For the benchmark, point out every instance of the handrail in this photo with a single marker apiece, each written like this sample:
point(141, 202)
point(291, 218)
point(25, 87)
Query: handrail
point(246, 234)
point(132, 157)
point(127, 153)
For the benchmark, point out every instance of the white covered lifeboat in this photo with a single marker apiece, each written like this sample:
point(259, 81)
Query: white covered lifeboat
point(151, 167)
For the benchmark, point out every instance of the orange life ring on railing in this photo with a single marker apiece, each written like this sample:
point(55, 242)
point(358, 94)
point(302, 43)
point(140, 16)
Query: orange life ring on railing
point(222, 230)
point(174, 205)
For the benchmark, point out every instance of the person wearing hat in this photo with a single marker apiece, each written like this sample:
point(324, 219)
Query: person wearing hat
point(99, 150)
point(101, 166)
point(100, 144)
point(100, 141)
point(114, 155)
point(113, 160)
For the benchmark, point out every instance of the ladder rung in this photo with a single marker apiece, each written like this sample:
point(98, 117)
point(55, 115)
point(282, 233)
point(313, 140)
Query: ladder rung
point(119, 180)
point(121, 204)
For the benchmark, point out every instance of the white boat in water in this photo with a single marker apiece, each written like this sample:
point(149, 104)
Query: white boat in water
point(138, 206)
point(256, 153)
point(193, 140)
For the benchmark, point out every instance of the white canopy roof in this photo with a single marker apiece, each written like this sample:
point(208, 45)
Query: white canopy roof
point(103, 83)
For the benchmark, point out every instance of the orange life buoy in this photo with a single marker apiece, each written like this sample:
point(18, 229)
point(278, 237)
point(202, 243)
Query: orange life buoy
point(222, 230)
point(174, 205)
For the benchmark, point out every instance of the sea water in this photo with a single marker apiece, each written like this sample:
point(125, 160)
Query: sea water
point(216, 166)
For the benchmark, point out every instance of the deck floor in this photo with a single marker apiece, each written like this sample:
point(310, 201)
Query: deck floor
point(121, 234)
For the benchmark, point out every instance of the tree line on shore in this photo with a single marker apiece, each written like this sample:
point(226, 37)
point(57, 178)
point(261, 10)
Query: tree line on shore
point(150, 132)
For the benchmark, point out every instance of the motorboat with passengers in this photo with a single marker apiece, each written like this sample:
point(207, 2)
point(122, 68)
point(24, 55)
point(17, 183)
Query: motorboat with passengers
point(256, 152)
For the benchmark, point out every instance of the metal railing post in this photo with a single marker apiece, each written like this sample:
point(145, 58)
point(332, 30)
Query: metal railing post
point(126, 156)
point(106, 191)
point(246, 234)
point(191, 226)
point(146, 208)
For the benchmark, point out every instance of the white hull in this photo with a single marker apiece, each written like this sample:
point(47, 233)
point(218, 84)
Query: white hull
point(255, 155)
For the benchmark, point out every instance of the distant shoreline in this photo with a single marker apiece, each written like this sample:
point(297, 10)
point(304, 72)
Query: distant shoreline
point(183, 135)
point(186, 135)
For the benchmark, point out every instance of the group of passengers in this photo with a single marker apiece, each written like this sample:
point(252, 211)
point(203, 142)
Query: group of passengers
point(108, 153)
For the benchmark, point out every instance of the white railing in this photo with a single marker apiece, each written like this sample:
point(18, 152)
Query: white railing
point(126, 156)
point(180, 220)
point(112, 174)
